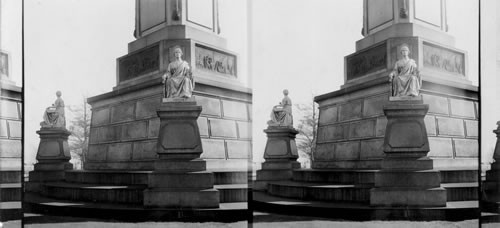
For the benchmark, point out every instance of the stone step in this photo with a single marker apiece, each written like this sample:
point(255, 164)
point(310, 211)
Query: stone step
point(10, 211)
point(454, 211)
point(232, 192)
point(10, 192)
point(320, 191)
point(342, 176)
point(227, 212)
point(141, 177)
point(10, 176)
point(130, 194)
point(461, 191)
point(222, 177)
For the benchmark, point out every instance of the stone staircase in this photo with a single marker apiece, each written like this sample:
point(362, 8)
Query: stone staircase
point(10, 195)
point(115, 191)
point(310, 188)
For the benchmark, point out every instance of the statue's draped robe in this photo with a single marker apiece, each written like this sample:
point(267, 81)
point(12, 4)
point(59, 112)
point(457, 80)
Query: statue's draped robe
point(406, 81)
point(282, 114)
point(179, 82)
point(54, 115)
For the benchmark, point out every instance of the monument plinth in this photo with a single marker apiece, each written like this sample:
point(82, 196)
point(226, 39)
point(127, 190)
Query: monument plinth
point(407, 177)
point(180, 179)
point(351, 120)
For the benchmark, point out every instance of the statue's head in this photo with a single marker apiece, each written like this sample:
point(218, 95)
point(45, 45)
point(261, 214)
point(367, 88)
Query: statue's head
point(58, 93)
point(404, 50)
point(285, 92)
point(178, 51)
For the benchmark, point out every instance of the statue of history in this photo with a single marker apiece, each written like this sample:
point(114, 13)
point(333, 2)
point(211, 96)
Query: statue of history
point(178, 80)
point(54, 115)
point(405, 77)
point(281, 114)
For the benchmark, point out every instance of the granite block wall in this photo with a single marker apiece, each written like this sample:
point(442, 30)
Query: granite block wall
point(124, 130)
point(352, 127)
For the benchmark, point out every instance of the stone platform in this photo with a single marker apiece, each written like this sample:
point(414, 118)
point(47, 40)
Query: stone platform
point(120, 195)
point(346, 194)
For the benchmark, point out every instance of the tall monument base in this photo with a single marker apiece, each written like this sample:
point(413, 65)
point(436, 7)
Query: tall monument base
point(180, 179)
point(407, 178)
point(53, 157)
point(280, 156)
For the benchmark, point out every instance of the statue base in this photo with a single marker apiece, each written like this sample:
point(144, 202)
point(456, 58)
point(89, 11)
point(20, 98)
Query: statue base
point(53, 157)
point(280, 155)
point(180, 179)
point(407, 177)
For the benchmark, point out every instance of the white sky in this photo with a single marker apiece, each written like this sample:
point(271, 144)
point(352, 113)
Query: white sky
point(72, 46)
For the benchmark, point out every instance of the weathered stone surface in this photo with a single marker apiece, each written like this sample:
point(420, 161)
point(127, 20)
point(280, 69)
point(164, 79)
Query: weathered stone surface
point(450, 126)
point(350, 111)
point(328, 115)
point(380, 126)
point(372, 149)
point(153, 127)
point(213, 148)
point(94, 135)
point(14, 129)
point(134, 130)
point(238, 149)
point(347, 151)
point(9, 109)
point(11, 163)
point(333, 132)
point(471, 128)
point(430, 124)
point(324, 151)
point(408, 197)
point(437, 104)
point(203, 125)
point(110, 133)
point(244, 130)
point(120, 152)
point(10, 148)
point(97, 152)
point(373, 106)
point(100, 116)
point(144, 150)
point(462, 108)
point(122, 112)
point(147, 107)
point(466, 147)
point(210, 106)
point(362, 129)
point(234, 109)
point(223, 128)
point(440, 147)
point(3, 128)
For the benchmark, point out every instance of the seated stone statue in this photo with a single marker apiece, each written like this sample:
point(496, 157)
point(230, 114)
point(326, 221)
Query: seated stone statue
point(281, 115)
point(178, 79)
point(54, 115)
point(405, 78)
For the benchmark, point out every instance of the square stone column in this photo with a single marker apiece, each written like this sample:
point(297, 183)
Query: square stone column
point(180, 179)
point(53, 157)
point(280, 156)
point(407, 177)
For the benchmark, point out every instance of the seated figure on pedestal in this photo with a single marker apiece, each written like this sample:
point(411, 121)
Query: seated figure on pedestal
point(405, 78)
point(281, 114)
point(54, 115)
point(178, 79)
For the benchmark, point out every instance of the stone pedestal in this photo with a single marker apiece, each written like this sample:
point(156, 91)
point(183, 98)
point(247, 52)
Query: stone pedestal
point(407, 177)
point(53, 157)
point(491, 185)
point(280, 156)
point(180, 179)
